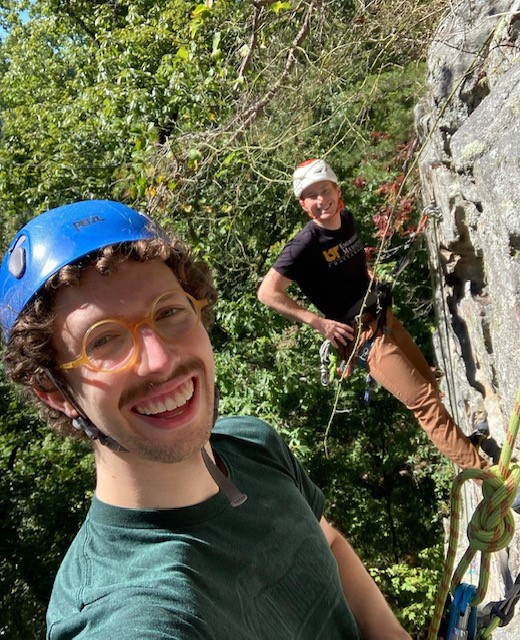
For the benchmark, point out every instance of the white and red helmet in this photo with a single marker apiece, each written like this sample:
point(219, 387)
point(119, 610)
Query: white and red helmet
point(310, 172)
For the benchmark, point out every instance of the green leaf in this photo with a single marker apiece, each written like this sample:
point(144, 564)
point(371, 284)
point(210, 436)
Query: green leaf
point(183, 54)
point(201, 11)
point(276, 7)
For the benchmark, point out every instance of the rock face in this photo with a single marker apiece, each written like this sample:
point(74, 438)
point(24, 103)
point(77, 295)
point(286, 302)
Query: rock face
point(469, 126)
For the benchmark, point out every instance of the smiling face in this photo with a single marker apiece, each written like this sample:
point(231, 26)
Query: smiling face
point(160, 408)
point(321, 201)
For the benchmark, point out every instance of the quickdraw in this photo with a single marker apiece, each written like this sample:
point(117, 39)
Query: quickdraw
point(498, 614)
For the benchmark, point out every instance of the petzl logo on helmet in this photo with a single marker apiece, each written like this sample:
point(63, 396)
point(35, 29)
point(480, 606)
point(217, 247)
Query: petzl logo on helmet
point(86, 222)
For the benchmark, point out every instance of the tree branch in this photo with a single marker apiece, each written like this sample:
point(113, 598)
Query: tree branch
point(252, 44)
point(256, 109)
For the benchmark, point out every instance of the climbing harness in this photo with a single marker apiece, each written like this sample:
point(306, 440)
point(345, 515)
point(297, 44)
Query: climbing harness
point(362, 312)
point(327, 367)
point(370, 307)
point(490, 529)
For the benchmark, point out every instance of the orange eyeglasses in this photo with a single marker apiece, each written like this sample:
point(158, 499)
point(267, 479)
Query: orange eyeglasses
point(112, 346)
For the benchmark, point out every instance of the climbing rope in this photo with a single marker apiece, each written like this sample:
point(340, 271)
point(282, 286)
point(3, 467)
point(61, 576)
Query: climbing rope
point(490, 529)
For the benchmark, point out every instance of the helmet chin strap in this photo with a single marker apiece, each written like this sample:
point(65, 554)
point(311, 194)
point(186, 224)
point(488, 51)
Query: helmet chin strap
point(232, 493)
point(84, 424)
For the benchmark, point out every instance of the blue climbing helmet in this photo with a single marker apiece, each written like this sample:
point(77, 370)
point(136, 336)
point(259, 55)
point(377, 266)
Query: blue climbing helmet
point(60, 237)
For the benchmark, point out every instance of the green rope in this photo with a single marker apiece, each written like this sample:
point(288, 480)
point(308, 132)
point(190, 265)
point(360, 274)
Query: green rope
point(490, 529)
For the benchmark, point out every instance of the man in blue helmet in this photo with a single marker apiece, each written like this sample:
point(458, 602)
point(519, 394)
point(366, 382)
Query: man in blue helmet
point(198, 529)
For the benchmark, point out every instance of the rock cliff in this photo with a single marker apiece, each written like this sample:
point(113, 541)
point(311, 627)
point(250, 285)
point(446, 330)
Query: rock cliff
point(469, 126)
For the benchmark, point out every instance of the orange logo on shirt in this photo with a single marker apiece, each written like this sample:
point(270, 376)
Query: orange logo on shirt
point(332, 254)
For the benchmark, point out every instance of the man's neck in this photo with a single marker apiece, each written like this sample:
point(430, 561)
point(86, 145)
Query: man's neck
point(125, 481)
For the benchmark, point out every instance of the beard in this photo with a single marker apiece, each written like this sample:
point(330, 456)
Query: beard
point(174, 453)
point(190, 441)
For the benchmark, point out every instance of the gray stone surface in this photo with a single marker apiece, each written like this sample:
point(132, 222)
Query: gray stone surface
point(469, 125)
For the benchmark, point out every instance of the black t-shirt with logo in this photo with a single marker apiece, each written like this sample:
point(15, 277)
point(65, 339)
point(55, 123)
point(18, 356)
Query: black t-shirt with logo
point(329, 266)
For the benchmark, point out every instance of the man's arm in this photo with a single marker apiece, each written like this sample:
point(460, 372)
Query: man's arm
point(373, 615)
point(272, 292)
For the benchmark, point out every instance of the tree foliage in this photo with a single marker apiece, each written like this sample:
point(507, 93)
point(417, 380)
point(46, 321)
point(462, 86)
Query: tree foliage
point(197, 113)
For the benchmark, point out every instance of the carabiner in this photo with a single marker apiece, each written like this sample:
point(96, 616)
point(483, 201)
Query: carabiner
point(463, 617)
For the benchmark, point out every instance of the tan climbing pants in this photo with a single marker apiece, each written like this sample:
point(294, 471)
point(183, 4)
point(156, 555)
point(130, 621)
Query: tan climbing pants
point(399, 366)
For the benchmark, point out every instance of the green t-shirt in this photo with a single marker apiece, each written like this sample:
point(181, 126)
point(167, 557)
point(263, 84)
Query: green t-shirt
point(260, 571)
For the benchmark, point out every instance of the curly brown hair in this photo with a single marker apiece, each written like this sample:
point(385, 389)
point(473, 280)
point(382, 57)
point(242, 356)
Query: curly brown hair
point(29, 354)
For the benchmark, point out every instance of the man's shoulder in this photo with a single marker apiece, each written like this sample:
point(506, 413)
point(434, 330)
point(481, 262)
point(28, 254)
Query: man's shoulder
point(256, 448)
point(347, 214)
point(305, 234)
point(246, 428)
point(297, 251)
point(253, 438)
